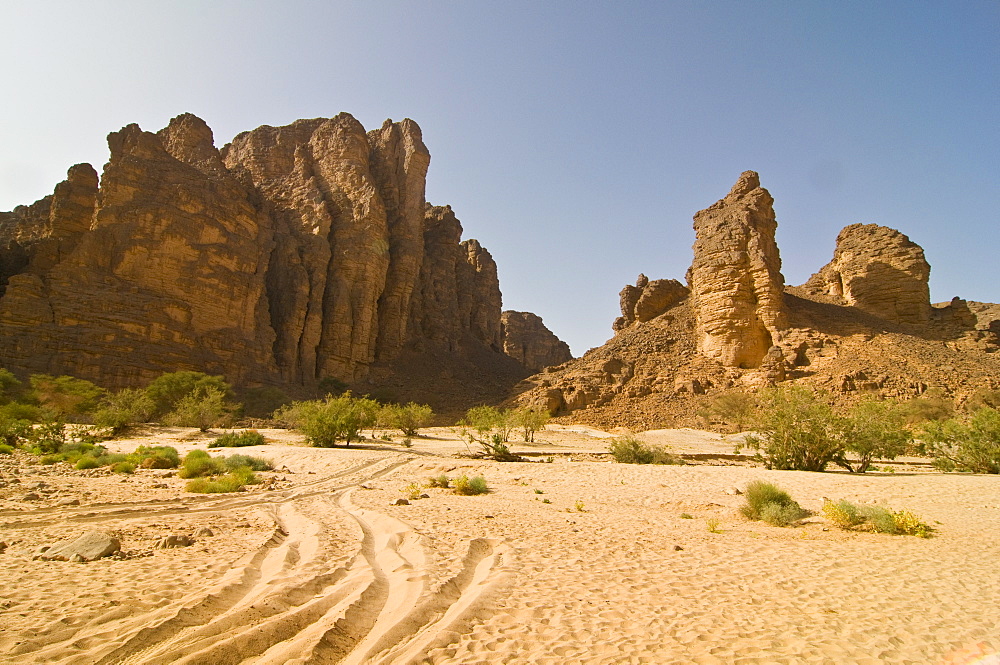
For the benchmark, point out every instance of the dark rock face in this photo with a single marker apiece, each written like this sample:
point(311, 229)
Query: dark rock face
point(527, 340)
point(293, 254)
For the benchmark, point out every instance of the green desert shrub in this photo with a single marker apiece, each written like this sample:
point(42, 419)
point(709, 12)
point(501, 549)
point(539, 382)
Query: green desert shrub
point(735, 408)
point(795, 429)
point(874, 430)
point(234, 481)
point(121, 410)
point(242, 439)
point(332, 386)
point(470, 486)
point(439, 481)
point(766, 502)
point(530, 421)
point(123, 467)
point(46, 438)
point(199, 463)
point(87, 462)
point(156, 457)
point(408, 418)
point(67, 397)
point(5, 449)
point(167, 390)
point(234, 462)
point(329, 420)
point(932, 406)
point(877, 519)
point(966, 445)
point(629, 450)
point(203, 408)
point(481, 422)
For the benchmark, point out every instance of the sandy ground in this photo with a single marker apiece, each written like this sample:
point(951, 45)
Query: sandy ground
point(573, 560)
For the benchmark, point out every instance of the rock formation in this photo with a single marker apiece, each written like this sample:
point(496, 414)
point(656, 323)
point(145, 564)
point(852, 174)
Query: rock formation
point(648, 299)
point(739, 329)
point(527, 340)
point(293, 254)
point(880, 271)
point(735, 278)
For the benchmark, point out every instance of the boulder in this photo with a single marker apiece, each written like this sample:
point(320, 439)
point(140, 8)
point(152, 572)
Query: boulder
point(172, 541)
point(89, 546)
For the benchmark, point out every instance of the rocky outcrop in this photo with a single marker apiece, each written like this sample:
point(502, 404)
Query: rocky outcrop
point(735, 278)
point(293, 254)
point(880, 271)
point(527, 340)
point(648, 299)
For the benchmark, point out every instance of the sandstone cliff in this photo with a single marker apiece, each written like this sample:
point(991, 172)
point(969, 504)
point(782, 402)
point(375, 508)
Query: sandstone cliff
point(527, 340)
point(293, 254)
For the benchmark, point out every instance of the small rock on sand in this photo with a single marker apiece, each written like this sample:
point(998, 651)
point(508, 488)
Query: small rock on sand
point(90, 546)
point(172, 541)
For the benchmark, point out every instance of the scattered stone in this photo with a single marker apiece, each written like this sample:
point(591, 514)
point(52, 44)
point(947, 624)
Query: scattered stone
point(165, 473)
point(160, 486)
point(69, 502)
point(678, 548)
point(400, 502)
point(90, 546)
point(204, 532)
point(3, 546)
point(31, 496)
point(171, 541)
point(733, 491)
point(425, 495)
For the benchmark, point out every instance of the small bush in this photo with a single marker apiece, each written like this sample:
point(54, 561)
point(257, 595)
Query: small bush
point(5, 449)
point(712, 523)
point(413, 491)
point(234, 481)
point(877, 519)
point(687, 516)
point(203, 408)
point(629, 450)
point(439, 481)
point(121, 410)
point(87, 462)
point(199, 463)
point(155, 457)
point(409, 418)
point(795, 429)
point(768, 503)
point(530, 421)
point(233, 462)
point(123, 467)
point(843, 514)
point(972, 445)
point(48, 460)
point(167, 390)
point(66, 396)
point(470, 486)
point(327, 421)
point(242, 439)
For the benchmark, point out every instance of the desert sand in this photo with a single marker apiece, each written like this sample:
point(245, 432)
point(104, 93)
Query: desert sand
point(573, 560)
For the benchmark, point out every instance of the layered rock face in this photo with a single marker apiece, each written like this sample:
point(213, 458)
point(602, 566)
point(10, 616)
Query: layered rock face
point(527, 340)
point(735, 278)
point(293, 254)
point(880, 271)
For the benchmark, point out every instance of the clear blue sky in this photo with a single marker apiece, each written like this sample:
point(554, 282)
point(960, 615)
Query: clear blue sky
point(574, 139)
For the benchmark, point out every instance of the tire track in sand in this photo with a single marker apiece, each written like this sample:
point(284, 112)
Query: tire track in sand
point(289, 602)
